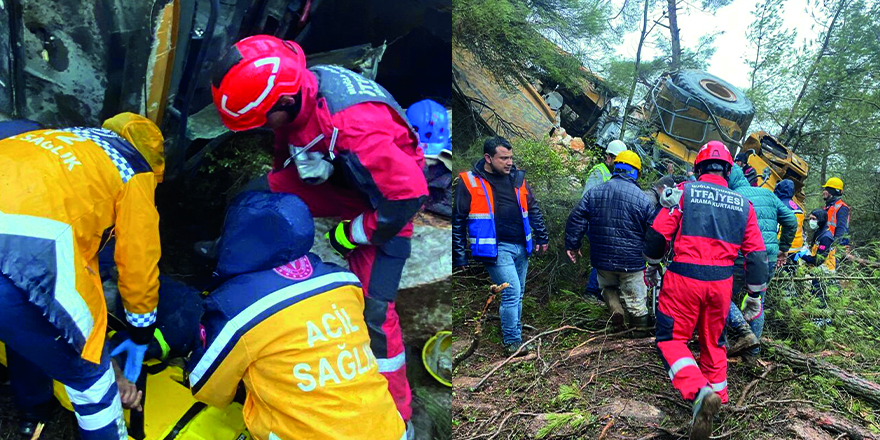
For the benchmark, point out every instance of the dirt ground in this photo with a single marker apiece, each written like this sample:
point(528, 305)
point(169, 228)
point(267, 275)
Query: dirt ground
point(589, 384)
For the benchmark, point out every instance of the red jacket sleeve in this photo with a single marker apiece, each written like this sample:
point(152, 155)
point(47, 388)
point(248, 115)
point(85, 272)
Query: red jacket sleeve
point(663, 229)
point(382, 157)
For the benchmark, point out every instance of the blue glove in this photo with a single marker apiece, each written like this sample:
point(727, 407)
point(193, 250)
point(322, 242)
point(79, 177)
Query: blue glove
point(134, 358)
point(800, 255)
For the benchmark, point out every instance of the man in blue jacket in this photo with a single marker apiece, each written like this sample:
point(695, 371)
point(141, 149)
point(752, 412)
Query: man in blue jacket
point(497, 217)
point(616, 214)
point(745, 331)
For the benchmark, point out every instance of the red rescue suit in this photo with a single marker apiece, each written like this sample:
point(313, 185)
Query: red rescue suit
point(379, 185)
point(709, 225)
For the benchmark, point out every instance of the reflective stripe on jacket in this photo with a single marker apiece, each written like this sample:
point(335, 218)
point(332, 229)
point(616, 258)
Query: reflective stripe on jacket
point(708, 227)
point(798, 241)
point(481, 218)
point(63, 191)
point(296, 336)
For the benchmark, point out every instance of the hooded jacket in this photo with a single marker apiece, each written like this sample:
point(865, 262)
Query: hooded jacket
point(375, 155)
point(292, 328)
point(785, 191)
point(462, 207)
point(771, 214)
point(64, 193)
point(615, 215)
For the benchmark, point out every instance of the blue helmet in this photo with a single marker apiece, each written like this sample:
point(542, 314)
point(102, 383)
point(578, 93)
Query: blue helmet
point(431, 122)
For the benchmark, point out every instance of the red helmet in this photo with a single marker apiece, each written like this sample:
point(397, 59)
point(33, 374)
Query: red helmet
point(250, 78)
point(714, 150)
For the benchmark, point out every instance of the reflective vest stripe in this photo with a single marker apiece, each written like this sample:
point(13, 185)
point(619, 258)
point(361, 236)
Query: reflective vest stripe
point(522, 198)
point(680, 365)
point(482, 241)
point(470, 177)
point(481, 217)
point(832, 215)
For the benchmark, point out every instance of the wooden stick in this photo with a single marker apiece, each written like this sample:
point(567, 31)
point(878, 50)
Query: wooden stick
point(833, 278)
point(39, 431)
point(497, 367)
point(751, 384)
point(605, 430)
point(495, 289)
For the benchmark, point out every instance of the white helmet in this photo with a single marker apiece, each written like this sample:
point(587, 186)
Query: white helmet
point(615, 147)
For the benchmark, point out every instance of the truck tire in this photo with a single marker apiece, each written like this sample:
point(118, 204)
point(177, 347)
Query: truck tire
point(722, 98)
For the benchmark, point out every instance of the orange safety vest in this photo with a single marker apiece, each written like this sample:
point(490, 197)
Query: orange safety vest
point(832, 214)
point(481, 218)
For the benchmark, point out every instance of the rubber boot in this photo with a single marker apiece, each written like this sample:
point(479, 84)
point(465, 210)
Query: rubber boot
point(612, 300)
point(641, 323)
point(706, 405)
point(740, 340)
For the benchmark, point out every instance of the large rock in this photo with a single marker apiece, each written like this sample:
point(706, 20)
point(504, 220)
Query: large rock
point(424, 302)
point(635, 410)
point(431, 259)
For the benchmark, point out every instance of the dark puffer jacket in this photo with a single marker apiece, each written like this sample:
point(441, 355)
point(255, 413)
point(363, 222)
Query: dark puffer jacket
point(615, 214)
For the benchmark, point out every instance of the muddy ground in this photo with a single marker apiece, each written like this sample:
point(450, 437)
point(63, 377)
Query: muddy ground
point(587, 383)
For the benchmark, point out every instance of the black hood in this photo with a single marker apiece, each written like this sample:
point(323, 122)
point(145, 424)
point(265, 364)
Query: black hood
point(784, 189)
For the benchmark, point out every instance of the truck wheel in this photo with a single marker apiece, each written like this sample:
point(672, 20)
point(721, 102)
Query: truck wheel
point(722, 98)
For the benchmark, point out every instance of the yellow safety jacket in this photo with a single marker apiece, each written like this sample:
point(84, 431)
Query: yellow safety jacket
point(62, 194)
point(296, 336)
point(798, 241)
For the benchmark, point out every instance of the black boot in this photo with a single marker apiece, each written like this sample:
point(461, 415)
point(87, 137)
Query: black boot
point(740, 340)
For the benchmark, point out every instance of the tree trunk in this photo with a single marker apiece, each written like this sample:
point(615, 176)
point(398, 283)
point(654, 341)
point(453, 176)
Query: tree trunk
point(632, 89)
point(850, 382)
point(831, 422)
point(813, 67)
point(673, 35)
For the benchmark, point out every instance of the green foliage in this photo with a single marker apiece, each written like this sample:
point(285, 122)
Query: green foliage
point(567, 393)
point(571, 421)
point(506, 36)
point(795, 314)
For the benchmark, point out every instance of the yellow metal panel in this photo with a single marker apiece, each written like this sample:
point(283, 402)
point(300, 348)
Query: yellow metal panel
point(162, 61)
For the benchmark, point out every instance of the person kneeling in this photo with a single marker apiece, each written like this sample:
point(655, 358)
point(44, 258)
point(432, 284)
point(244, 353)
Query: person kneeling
point(292, 328)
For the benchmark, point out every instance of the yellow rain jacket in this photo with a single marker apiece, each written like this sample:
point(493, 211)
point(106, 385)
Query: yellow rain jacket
point(293, 331)
point(62, 194)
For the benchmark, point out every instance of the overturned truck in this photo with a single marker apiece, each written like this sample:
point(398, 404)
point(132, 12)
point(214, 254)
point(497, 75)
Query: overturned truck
point(684, 110)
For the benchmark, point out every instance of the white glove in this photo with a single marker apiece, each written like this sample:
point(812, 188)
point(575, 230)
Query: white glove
point(752, 308)
point(652, 275)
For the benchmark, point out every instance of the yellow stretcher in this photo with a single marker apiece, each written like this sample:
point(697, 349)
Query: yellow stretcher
point(171, 412)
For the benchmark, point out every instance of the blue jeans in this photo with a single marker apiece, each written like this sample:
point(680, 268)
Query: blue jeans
point(735, 317)
point(593, 284)
point(510, 267)
point(40, 354)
